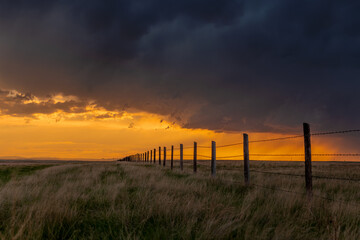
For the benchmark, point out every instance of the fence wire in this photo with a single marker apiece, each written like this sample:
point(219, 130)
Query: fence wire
point(313, 154)
point(203, 147)
point(297, 193)
point(284, 138)
point(313, 176)
point(229, 156)
point(229, 145)
point(337, 154)
point(304, 194)
point(276, 139)
point(335, 132)
point(278, 173)
point(277, 155)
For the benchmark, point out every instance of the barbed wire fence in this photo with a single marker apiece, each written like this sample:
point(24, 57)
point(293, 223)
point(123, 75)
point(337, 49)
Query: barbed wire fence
point(160, 155)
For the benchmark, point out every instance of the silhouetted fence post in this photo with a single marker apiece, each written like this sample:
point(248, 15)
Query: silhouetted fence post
point(246, 159)
point(160, 156)
point(172, 157)
point(213, 159)
point(164, 162)
point(151, 156)
point(154, 155)
point(181, 157)
point(307, 146)
point(195, 157)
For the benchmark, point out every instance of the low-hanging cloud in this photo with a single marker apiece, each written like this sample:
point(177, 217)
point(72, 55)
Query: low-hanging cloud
point(222, 65)
point(27, 105)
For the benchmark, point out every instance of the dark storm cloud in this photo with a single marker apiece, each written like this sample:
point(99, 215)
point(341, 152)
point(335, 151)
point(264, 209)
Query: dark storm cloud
point(223, 65)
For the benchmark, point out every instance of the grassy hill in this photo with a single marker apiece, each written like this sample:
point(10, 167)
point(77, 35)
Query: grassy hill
point(146, 201)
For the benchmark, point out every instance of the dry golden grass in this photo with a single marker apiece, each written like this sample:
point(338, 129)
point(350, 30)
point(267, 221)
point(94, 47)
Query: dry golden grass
point(146, 201)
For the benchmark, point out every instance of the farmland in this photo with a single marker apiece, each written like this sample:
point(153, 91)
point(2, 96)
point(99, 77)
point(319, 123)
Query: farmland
point(129, 200)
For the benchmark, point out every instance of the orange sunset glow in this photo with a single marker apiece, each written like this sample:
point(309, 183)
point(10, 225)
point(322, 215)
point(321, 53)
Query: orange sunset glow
point(91, 132)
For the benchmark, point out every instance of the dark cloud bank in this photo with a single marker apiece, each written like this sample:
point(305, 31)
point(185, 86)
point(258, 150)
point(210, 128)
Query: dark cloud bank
point(229, 65)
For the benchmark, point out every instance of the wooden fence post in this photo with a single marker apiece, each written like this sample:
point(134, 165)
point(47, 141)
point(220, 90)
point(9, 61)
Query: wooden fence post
point(213, 159)
point(246, 159)
point(181, 157)
point(195, 157)
point(308, 171)
point(172, 157)
point(160, 156)
point(151, 156)
point(154, 155)
point(164, 162)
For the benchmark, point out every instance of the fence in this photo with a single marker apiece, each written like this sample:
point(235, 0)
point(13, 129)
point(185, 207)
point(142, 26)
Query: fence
point(150, 156)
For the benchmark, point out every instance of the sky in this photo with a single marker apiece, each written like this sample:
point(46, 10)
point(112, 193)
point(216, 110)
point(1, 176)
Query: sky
point(103, 79)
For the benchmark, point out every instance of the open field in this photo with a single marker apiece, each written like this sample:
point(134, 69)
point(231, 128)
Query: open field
point(146, 201)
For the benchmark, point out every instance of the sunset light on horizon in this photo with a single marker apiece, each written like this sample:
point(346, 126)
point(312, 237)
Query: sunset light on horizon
point(64, 127)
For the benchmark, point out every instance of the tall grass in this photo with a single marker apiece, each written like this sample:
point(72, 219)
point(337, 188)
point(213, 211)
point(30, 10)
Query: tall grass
point(144, 201)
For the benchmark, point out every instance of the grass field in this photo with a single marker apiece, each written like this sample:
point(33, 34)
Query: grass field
point(145, 201)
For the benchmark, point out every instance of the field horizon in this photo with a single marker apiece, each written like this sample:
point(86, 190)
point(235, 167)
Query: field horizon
point(136, 200)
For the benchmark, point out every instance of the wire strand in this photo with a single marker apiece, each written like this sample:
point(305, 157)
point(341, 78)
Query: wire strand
point(299, 193)
point(276, 139)
point(229, 145)
point(277, 173)
point(230, 156)
point(314, 176)
point(335, 132)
